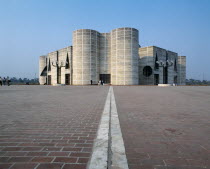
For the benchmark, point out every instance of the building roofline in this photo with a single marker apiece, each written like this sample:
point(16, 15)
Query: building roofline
point(123, 28)
point(159, 48)
point(59, 49)
point(85, 29)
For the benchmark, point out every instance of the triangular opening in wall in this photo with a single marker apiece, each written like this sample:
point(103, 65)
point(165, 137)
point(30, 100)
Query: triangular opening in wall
point(156, 62)
point(49, 66)
point(175, 65)
point(44, 71)
point(67, 62)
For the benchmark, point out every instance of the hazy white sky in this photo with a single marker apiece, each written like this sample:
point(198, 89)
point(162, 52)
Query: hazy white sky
point(30, 28)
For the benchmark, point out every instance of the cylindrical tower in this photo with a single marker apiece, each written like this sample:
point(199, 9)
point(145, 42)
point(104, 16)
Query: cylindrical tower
point(85, 56)
point(42, 65)
point(124, 56)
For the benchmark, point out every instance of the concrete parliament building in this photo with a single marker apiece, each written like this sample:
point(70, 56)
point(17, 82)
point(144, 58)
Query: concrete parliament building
point(115, 58)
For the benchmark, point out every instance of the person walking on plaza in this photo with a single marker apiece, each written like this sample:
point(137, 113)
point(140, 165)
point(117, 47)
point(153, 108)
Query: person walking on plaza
point(0, 81)
point(4, 81)
point(91, 82)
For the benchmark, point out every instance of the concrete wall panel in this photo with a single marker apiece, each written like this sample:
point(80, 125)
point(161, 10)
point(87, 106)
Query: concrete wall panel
point(42, 65)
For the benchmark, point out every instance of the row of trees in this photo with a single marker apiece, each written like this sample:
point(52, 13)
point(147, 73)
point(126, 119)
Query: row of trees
point(197, 82)
point(15, 81)
point(34, 81)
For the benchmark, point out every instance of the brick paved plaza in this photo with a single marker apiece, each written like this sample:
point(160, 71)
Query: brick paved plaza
point(54, 127)
point(165, 128)
point(48, 126)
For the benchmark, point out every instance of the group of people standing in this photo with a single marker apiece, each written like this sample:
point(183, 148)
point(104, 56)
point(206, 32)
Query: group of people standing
point(4, 81)
point(100, 82)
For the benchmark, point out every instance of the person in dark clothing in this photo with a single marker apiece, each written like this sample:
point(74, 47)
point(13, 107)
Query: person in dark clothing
point(101, 82)
point(0, 81)
point(91, 82)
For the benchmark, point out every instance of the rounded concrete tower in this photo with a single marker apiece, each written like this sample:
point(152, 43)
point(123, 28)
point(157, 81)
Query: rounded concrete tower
point(85, 56)
point(124, 56)
point(42, 65)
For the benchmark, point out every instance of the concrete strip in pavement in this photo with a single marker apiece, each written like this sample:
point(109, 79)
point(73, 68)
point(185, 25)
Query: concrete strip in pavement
point(100, 149)
point(119, 160)
point(109, 151)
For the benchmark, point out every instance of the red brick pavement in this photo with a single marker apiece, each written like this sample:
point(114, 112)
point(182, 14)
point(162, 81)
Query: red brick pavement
point(165, 128)
point(49, 127)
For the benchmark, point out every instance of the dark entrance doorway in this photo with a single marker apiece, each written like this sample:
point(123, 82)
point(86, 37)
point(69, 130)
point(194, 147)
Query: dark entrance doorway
point(105, 78)
point(49, 80)
point(58, 75)
point(165, 75)
point(67, 79)
point(156, 79)
point(175, 79)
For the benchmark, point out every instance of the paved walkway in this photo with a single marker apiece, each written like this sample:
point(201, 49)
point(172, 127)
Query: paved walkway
point(49, 127)
point(55, 127)
point(165, 128)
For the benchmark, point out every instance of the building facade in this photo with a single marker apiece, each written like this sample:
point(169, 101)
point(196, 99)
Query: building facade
point(115, 58)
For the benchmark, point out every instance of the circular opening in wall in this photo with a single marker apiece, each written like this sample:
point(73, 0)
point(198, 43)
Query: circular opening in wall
point(147, 71)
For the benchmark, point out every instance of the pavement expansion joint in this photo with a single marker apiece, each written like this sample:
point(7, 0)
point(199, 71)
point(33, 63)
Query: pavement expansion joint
point(108, 150)
point(109, 153)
